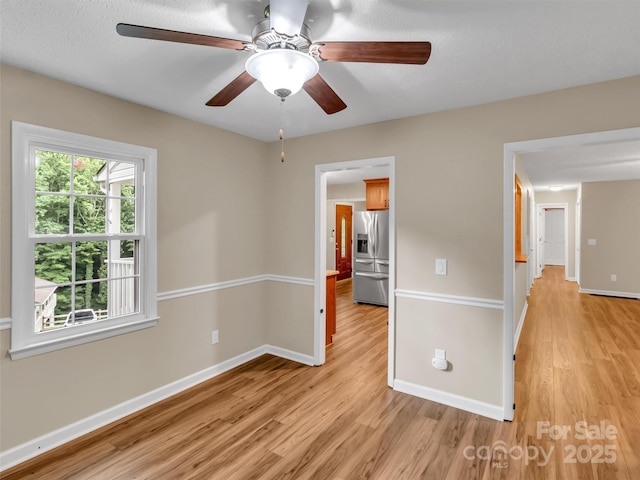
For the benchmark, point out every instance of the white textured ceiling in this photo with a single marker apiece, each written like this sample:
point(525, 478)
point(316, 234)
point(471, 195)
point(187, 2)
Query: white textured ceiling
point(481, 51)
point(570, 166)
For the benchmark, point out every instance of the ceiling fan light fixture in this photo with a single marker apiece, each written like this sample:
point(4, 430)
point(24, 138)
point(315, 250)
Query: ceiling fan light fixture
point(282, 72)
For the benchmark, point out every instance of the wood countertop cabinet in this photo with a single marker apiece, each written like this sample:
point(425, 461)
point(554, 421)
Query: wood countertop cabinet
point(330, 309)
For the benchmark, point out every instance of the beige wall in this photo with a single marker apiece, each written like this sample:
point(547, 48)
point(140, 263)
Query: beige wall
point(449, 205)
point(202, 171)
point(570, 197)
point(611, 216)
point(449, 171)
point(347, 191)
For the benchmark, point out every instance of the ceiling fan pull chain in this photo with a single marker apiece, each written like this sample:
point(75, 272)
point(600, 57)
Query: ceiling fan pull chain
point(282, 129)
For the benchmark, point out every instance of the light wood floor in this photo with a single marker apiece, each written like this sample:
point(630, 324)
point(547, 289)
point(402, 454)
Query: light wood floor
point(578, 360)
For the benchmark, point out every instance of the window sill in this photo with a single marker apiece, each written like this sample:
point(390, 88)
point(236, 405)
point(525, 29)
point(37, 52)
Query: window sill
point(70, 341)
point(521, 258)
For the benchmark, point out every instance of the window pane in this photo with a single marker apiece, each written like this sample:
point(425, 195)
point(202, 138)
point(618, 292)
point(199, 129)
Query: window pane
point(123, 294)
point(52, 214)
point(91, 261)
point(91, 301)
point(53, 171)
point(127, 248)
point(128, 190)
point(127, 216)
point(53, 262)
point(87, 173)
point(121, 215)
point(45, 297)
point(89, 215)
point(51, 308)
point(123, 175)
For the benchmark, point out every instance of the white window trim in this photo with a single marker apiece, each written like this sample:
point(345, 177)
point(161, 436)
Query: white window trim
point(24, 341)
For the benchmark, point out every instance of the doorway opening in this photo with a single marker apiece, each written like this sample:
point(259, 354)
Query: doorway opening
point(552, 239)
point(511, 150)
point(368, 168)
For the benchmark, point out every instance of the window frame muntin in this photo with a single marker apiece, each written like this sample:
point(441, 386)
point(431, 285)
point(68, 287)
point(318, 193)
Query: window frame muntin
point(26, 138)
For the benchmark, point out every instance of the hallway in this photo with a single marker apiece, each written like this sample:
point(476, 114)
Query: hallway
point(578, 360)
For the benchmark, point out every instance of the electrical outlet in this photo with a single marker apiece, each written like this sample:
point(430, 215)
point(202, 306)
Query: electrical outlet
point(614, 278)
point(591, 241)
point(215, 338)
point(441, 354)
point(441, 266)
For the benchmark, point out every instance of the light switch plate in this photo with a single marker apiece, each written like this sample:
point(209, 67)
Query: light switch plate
point(591, 241)
point(441, 266)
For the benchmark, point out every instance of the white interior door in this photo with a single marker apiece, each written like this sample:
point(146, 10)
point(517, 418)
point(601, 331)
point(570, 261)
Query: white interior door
point(554, 241)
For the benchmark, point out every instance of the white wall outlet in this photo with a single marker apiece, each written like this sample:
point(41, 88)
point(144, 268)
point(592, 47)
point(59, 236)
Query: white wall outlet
point(215, 337)
point(439, 363)
point(441, 354)
point(614, 278)
point(441, 266)
point(591, 241)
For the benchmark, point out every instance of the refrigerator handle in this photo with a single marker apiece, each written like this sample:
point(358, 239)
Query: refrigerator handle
point(375, 235)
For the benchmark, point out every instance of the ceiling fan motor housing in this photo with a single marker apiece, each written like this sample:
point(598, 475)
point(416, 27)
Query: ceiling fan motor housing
point(265, 38)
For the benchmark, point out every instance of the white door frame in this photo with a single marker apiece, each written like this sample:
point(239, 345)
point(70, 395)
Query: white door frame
point(578, 235)
point(508, 266)
point(540, 209)
point(321, 255)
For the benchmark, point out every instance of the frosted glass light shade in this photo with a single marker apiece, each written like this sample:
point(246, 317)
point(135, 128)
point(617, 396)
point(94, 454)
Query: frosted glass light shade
point(282, 72)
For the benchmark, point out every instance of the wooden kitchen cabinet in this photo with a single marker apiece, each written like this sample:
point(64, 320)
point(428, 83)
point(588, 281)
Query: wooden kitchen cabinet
point(377, 193)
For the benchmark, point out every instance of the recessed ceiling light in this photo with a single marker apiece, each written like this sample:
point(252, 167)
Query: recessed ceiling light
point(555, 188)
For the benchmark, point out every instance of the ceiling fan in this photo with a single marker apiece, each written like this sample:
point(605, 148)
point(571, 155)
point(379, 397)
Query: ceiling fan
point(284, 58)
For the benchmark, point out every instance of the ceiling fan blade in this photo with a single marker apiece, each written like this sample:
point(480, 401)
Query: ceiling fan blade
point(139, 31)
point(323, 94)
point(287, 16)
point(232, 90)
point(415, 53)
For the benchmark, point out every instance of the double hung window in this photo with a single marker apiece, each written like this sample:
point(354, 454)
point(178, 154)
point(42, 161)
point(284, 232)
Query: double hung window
point(83, 245)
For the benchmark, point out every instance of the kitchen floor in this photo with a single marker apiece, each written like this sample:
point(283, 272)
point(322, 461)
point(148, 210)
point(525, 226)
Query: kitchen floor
point(354, 318)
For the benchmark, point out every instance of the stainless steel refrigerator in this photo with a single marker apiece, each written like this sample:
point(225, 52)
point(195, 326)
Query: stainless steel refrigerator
point(371, 263)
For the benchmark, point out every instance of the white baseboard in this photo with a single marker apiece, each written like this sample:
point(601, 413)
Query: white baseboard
point(609, 293)
point(289, 355)
point(571, 279)
point(520, 324)
point(44, 443)
point(463, 403)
